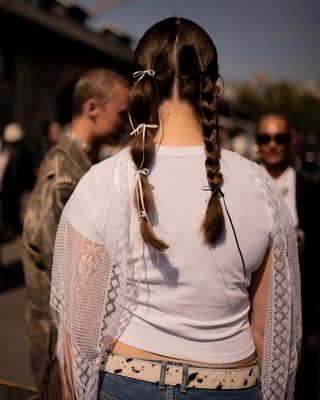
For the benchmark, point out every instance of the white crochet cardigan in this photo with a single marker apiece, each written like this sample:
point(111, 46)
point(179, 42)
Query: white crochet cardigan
point(90, 278)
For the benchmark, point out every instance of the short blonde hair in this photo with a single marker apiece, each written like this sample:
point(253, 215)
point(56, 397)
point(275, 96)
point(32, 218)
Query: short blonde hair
point(97, 84)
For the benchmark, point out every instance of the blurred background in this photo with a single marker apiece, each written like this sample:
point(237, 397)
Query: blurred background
point(269, 59)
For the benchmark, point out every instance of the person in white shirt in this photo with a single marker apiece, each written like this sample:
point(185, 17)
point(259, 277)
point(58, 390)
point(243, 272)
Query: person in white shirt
point(175, 270)
point(274, 140)
point(303, 198)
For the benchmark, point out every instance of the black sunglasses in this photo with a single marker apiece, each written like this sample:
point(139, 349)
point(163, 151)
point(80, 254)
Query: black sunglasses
point(279, 138)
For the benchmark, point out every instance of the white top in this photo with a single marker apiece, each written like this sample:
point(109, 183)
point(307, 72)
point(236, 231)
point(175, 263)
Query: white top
point(286, 183)
point(193, 303)
point(91, 274)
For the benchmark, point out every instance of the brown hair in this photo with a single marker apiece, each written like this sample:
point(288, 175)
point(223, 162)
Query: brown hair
point(97, 84)
point(184, 59)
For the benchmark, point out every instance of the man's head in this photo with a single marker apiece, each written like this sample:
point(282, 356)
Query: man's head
point(99, 104)
point(274, 140)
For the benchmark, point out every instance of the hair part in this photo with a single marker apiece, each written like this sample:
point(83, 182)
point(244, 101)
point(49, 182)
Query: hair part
point(95, 84)
point(184, 59)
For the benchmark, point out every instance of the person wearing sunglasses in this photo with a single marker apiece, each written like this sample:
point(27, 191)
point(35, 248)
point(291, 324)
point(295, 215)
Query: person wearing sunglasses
point(303, 198)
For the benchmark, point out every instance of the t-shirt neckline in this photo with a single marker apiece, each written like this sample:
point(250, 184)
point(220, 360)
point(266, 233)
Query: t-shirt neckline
point(180, 151)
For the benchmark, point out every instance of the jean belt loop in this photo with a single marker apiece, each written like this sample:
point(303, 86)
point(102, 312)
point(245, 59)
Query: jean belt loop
point(162, 378)
point(184, 379)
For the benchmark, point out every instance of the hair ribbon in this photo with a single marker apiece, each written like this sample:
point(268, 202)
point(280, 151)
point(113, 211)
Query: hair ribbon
point(142, 213)
point(136, 131)
point(143, 126)
point(141, 74)
point(142, 171)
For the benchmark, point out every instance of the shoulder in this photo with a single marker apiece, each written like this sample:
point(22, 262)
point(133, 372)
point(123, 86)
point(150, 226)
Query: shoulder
point(244, 170)
point(97, 197)
point(105, 172)
point(101, 179)
point(112, 162)
point(234, 159)
point(252, 188)
point(57, 168)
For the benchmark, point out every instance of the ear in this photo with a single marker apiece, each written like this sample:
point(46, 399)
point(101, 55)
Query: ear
point(91, 108)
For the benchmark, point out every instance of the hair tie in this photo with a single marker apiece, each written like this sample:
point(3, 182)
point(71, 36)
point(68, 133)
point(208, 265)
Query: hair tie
point(213, 188)
point(141, 74)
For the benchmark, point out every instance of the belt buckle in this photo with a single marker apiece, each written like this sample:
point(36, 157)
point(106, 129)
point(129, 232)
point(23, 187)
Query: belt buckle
point(164, 368)
point(162, 378)
point(184, 380)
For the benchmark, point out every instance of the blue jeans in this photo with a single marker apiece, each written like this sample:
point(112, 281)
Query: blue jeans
point(116, 387)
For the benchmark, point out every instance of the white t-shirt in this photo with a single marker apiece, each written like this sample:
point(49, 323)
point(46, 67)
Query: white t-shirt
point(193, 300)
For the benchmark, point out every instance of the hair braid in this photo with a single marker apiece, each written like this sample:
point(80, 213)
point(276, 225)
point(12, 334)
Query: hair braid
point(142, 153)
point(185, 63)
point(213, 223)
point(197, 76)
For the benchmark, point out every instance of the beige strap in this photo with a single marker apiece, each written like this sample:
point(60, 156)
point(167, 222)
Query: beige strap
point(198, 377)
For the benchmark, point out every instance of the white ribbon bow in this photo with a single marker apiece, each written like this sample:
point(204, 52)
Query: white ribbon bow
point(136, 131)
point(141, 74)
point(142, 171)
point(143, 127)
point(142, 213)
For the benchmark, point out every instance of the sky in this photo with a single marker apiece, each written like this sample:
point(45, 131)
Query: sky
point(280, 38)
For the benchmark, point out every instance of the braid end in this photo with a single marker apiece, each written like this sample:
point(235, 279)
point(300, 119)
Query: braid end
point(214, 223)
point(150, 238)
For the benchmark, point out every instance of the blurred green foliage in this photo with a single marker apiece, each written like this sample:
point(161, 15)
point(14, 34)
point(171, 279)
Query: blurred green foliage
point(300, 106)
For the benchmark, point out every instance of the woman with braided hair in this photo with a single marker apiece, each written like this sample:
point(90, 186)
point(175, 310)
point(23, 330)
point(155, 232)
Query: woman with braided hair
point(175, 272)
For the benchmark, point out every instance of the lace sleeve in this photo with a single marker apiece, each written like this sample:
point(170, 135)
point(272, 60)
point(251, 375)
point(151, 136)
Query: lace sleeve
point(90, 294)
point(283, 324)
point(80, 277)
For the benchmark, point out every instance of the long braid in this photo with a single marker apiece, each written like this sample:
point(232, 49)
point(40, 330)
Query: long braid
point(197, 76)
point(144, 101)
point(183, 61)
point(142, 153)
point(213, 223)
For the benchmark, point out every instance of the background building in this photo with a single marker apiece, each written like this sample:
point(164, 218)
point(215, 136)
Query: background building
point(44, 47)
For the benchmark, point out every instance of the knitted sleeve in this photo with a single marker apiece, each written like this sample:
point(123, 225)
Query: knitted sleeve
point(283, 324)
point(90, 275)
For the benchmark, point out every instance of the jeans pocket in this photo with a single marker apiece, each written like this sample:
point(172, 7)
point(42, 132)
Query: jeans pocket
point(106, 396)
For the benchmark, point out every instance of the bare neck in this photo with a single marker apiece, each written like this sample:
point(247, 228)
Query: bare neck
point(82, 130)
point(179, 126)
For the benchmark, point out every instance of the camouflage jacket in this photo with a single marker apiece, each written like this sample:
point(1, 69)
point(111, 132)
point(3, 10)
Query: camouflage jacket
point(58, 177)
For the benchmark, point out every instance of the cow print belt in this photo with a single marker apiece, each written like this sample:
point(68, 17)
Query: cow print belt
point(185, 375)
